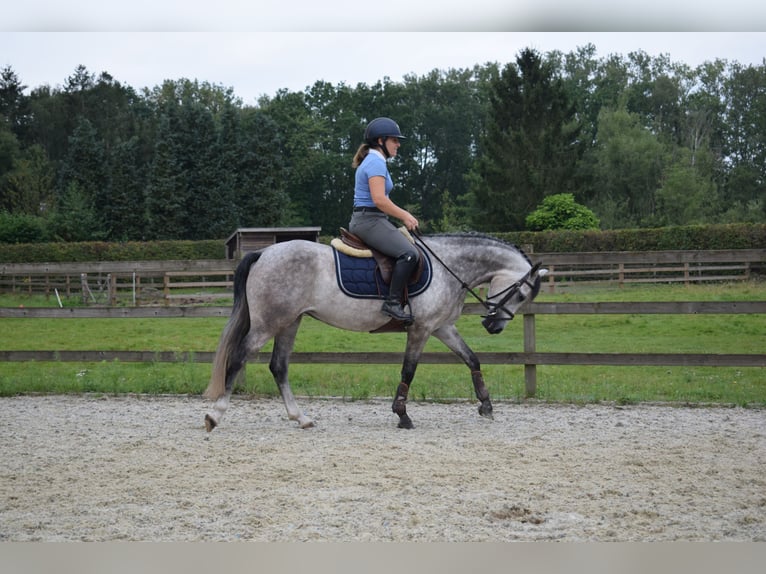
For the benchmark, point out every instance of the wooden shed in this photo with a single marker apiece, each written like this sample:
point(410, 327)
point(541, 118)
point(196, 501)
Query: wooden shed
point(253, 238)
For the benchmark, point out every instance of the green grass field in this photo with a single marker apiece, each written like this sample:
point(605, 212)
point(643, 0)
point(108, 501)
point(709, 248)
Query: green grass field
point(555, 333)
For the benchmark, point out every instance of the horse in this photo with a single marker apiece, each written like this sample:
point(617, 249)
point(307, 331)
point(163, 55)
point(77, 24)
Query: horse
point(276, 286)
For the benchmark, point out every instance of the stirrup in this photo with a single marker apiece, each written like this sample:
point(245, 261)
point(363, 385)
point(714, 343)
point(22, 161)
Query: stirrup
point(396, 311)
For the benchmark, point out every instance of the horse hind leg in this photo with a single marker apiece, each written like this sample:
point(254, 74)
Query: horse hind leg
point(214, 416)
point(279, 364)
point(235, 363)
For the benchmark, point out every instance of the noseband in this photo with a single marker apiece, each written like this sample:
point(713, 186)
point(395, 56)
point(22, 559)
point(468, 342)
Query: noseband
point(492, 307)
point(507, 293)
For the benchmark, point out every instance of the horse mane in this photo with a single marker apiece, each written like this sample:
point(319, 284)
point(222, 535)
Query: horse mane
point(483, 237)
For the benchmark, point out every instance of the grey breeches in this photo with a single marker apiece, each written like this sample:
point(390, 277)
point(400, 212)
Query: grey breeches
point(379, 233)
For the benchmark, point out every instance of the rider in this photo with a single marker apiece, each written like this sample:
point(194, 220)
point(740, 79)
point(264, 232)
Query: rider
point(372, 205)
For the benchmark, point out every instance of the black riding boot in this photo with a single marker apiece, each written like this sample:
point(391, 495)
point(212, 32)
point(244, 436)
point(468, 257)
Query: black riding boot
point(392, 306)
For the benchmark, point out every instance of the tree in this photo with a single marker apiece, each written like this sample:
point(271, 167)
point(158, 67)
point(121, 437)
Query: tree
point(125, 205)
point(166, 188)
point(28, 188)
point(561, 211)
point(14, 105)
point(447, 114)
point(745, 148)
point(75, 217)
point(685, 196)
point(627, 164)
point(83, 180)
point(260, 184)
point(531, 145)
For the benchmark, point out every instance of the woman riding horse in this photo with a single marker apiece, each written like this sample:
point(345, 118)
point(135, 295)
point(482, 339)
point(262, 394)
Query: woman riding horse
point(372, 205)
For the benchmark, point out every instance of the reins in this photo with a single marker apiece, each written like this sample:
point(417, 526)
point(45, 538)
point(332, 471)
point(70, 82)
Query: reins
point(491, 307)
point(463, 284)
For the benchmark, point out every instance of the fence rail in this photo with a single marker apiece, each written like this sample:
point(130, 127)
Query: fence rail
point(191, 281)
point(530, 358)
point(623, 267)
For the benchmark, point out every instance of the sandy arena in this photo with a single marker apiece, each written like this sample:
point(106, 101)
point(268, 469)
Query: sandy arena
point(86, 468)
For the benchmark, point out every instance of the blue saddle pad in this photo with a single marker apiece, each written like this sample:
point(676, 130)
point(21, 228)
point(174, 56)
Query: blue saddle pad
point(359, 277)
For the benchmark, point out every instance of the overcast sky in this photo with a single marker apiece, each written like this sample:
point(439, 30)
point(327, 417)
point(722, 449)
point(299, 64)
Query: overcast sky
point(261, 47)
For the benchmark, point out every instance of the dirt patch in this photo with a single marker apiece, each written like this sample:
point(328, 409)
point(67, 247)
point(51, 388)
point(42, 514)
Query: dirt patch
point(143, 468)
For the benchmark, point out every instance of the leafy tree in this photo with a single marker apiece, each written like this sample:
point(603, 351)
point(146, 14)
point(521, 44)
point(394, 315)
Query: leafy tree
point(300, 149)
point(745, 148)
point(686, 196)
point(561, 211)
point(627, 163)
point(28, 188)
point(447, 109)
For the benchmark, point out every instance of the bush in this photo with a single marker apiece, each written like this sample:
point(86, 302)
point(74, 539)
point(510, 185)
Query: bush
point(20, 228)
point(561, 211)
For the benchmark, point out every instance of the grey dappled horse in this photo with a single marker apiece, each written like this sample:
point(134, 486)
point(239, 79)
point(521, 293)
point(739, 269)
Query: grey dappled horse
point(274, 288)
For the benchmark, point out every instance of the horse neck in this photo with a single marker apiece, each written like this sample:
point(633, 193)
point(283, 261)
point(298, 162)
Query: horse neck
point(477, 259)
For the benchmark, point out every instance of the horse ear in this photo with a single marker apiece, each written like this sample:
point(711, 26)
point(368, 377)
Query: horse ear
point(542, 273)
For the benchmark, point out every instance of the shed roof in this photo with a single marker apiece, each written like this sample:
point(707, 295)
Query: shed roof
point(274, 230)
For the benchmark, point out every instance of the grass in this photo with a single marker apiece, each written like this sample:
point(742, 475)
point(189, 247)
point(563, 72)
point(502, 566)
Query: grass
point(555, 333)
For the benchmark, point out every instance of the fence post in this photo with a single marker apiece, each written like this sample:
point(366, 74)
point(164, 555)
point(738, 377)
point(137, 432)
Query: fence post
point(84, 287)
point(530, 370)
point(551, 280)
point(166, 289)
point(112, 282)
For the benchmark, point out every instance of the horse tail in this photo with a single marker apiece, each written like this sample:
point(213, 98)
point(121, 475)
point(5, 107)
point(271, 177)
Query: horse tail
point(234, 332)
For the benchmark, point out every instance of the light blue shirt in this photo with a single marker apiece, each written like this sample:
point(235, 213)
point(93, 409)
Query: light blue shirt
point(372, 165)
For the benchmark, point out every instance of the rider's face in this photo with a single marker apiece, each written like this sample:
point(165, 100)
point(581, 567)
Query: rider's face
point(392, 145)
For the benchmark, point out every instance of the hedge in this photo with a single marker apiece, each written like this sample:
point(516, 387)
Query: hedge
point(694, 237)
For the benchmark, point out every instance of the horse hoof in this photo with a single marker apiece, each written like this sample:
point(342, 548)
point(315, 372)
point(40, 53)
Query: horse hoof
point(405, 422)
point(210, 424)
point(308, 424)
point(485, 410)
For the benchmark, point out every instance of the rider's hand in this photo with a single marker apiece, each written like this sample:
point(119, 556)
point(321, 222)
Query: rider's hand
point(410, 222)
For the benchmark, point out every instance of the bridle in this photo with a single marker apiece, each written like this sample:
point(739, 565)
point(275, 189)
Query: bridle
point(507, 293)
point(492, 307)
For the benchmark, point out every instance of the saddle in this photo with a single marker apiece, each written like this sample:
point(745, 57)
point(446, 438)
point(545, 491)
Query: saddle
point(353, 246)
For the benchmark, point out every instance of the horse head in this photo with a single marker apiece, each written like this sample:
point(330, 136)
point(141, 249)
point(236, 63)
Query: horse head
point(506, 297)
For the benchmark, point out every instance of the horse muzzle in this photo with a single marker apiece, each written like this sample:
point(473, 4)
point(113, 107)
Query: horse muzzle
point(494, 324)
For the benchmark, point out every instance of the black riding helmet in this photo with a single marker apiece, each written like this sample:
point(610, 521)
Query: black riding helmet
point(382, 128)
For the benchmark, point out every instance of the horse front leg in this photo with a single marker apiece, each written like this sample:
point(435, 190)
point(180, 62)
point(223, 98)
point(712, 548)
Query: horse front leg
point(279, 364)
point(415, 344)
point(455, 343)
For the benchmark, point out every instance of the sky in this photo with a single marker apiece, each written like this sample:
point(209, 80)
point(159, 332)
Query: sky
point(259, 48)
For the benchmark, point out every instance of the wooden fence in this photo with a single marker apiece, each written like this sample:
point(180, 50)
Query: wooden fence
point(621, 267)
point(150, 283)
point(134, 283)
point(530, 358)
